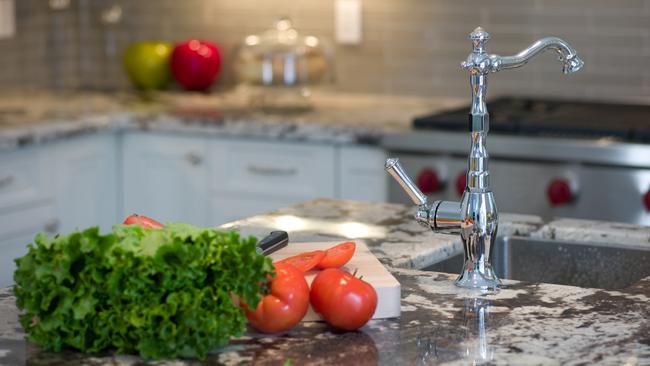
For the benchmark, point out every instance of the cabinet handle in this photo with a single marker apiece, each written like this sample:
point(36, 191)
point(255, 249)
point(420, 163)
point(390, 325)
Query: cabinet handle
point(52, 226)
point(6, 180)
point(271, 171)
point(193, 158)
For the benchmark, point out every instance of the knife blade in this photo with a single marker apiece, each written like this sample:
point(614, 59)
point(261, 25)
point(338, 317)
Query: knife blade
point(273, 242)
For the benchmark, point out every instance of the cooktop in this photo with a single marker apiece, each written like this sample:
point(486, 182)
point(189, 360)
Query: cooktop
point(552, 118)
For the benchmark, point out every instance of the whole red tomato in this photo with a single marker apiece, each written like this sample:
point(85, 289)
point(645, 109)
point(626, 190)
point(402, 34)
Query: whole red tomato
point(195, 64)
point(344, 301)
point(285, 304)
point(144, 221)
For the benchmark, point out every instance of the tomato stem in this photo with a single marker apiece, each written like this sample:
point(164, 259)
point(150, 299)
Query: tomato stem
point(266, 288)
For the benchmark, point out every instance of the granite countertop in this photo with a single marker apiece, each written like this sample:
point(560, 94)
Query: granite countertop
point(28, 118)
point(524, 323)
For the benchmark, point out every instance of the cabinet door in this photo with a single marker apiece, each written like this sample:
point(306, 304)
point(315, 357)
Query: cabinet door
point(361, 174)
point(28, 221)
point(24, 175)
point(86, 182)
point(19, 227)
point(11, 249)
point(165, 177)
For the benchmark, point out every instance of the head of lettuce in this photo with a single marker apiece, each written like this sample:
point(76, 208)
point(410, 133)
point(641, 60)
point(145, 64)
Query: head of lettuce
point(152, 292)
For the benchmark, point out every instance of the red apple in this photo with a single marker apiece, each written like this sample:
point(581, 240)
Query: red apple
point(195, 64)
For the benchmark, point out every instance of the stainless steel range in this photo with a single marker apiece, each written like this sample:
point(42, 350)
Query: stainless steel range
point(548, 157)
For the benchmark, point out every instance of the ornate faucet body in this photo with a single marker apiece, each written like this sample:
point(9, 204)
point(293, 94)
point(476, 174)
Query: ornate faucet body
point(476, 217)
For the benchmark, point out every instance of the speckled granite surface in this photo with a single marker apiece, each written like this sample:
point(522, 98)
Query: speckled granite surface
point(595, 232)
point(27, 119)
point(524, 323)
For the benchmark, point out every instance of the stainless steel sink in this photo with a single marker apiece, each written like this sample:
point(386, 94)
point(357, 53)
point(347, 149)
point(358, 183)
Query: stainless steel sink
point(586, 265)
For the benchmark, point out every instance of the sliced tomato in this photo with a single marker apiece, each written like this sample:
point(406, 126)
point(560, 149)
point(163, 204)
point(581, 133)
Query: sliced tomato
point(338, 255)
point(305, 261)
point(144, 221)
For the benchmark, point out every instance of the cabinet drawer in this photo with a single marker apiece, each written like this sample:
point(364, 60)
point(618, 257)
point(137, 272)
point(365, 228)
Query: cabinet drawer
point(273, 169)
point(28, 221)
point(166, 177)
point(22, 178)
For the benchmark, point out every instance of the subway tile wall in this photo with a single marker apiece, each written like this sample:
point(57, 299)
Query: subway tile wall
point(409, 46)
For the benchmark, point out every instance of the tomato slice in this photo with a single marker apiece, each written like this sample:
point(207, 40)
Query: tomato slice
point(338, 255)
point(305, 261)
point(144, 221)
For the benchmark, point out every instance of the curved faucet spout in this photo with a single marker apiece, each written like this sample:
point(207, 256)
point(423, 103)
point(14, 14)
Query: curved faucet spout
point(568, 55)
point(479, 62)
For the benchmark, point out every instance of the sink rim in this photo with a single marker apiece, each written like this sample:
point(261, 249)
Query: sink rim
point(630, 246)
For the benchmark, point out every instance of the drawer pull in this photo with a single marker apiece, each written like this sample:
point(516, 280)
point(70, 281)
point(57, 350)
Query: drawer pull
point(193, 158)
point(6, 181)
point(271, 171)
point(52, 226)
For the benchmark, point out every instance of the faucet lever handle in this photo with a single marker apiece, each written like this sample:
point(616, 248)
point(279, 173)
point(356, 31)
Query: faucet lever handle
point(395, 169)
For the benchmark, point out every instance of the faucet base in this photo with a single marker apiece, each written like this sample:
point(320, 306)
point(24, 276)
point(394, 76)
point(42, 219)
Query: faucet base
point(479, 276)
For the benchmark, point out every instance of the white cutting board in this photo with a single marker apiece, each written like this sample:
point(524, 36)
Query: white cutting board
point(367, 265)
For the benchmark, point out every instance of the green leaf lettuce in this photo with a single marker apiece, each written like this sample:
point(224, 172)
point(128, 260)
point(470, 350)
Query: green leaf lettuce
point(156, 293)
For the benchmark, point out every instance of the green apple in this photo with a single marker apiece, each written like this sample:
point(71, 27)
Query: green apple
point(147, 64)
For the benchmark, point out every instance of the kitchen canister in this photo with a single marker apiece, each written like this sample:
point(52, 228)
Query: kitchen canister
point(280, 66)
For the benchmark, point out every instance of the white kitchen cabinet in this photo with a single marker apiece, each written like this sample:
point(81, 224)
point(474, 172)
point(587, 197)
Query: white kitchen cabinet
point(11, 249)
point(18, 228)
point(361, 174)
point(251, 177)
point(55, 188)
point(85, 182)
point(25, 204)
point(99, 179)
point(24, 178)
point(28, 220)
point(165, 177)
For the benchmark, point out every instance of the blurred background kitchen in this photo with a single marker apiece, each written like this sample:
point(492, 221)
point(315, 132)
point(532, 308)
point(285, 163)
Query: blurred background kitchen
point(407, 47)
point(83, 144)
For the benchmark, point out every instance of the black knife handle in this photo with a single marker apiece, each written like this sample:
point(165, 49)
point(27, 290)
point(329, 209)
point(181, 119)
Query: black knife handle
point(273, 242)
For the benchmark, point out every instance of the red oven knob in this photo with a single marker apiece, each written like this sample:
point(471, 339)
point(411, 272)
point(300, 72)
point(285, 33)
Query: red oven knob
point(429, 181)
point(461, 183)
point(646, 200)
point(559, 192)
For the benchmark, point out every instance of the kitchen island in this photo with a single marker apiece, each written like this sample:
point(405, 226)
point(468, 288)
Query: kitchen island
point(524, 323)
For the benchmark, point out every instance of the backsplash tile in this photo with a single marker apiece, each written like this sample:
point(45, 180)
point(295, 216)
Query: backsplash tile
point(409, 46)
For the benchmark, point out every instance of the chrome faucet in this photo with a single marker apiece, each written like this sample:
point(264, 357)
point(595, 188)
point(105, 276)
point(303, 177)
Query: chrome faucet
point(476, 217)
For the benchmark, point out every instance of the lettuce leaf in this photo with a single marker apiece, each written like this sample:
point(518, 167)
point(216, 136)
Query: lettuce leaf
point(156, 293)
